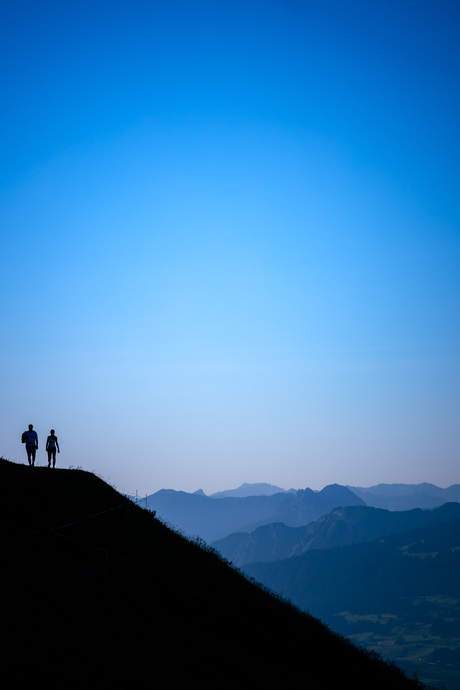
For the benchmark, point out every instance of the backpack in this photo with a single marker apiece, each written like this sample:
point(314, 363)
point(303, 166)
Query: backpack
point(24, 437)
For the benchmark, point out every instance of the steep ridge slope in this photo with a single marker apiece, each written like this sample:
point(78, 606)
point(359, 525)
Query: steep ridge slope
point(97, 593)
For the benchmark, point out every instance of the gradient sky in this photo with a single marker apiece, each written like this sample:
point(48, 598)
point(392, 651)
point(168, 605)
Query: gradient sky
point(230, 239)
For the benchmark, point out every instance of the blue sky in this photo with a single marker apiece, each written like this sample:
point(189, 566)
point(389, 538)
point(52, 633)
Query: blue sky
point(231, 241)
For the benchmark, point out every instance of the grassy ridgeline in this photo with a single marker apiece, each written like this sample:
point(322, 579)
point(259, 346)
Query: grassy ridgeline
point(98, 593)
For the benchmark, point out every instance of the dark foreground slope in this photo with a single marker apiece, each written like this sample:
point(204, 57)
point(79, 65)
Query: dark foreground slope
point(97, 593)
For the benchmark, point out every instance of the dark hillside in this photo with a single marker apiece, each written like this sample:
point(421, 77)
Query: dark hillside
point(97, 593)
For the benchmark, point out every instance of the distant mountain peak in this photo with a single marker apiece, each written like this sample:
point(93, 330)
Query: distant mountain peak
point(407, 496)
point(246, 489)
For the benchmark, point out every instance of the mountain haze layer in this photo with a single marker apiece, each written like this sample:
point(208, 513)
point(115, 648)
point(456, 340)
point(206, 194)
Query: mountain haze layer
point(246, 489)
point(341, 527)
point(212, 519)
point(407, 496)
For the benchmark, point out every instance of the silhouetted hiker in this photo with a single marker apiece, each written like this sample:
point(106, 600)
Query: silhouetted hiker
point(30, 438)
point(51, 445)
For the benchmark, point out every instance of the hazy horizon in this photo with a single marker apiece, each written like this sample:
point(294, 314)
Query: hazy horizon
point(231, 240)
point(234, 488)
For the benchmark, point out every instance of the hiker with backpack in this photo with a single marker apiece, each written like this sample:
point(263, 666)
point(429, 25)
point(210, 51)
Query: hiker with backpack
point(30, 438)
point(51, 445)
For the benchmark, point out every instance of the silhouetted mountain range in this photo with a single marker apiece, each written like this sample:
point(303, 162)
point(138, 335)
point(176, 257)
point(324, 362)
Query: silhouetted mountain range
point(253, 505)
point(372, 575)
point(213, 519)
point(251, 490)
point(97, 593)
point(407, 496)
point(341, 527)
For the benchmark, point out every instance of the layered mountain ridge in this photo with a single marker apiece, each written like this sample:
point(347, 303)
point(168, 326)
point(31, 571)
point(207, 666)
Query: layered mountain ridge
point(212, 519)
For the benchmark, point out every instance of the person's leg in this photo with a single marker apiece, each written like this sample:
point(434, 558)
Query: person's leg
point(29, 454)
point(54, 457)
point(49, 457)
point(33, 455)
